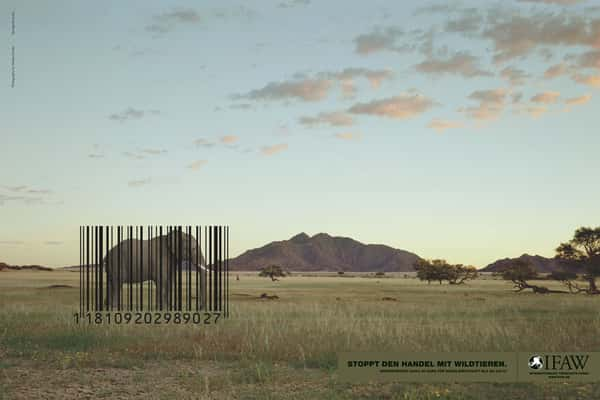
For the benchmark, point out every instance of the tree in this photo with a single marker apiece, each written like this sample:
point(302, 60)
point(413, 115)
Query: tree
point(583, 253)
point(427, 270)
point(440, 270)
point(458, 274)
point(567, 278)
point(273, 271)
point(521, 271)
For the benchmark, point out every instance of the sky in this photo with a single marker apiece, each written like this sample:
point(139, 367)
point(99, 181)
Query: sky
point(457, 130)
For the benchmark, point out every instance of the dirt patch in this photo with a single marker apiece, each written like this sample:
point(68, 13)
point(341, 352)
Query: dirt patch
point(389, 299)
point(265, 296)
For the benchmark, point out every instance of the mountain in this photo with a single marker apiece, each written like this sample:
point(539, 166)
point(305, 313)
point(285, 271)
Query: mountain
point(539, 263)
point(323, 252)
point(5, 267)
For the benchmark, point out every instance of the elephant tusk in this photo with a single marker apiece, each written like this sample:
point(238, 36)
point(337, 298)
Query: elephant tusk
point(205, 268)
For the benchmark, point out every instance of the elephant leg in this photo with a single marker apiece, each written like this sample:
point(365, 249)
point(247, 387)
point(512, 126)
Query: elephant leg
point(167, 294)
point(157, 294)
point(164, 295)
point(114, 295)
point(110, 299)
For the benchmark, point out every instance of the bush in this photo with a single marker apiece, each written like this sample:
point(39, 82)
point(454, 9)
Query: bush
point(273, 272)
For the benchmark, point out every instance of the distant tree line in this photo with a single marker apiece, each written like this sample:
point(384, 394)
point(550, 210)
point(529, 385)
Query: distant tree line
point(440, 271)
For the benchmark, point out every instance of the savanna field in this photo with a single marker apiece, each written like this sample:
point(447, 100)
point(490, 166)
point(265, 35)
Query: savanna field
point(283, 348)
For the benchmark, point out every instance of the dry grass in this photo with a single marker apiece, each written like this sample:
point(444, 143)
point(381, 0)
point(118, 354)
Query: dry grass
point(284, 348)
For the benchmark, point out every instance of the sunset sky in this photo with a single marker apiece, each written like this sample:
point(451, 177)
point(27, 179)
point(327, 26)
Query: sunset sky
point(460, 130)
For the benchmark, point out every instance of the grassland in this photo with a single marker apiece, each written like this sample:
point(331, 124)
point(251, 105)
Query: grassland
point(285, 348)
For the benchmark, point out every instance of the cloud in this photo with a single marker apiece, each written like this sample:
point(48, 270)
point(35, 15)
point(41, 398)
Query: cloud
point(317, 87)
point(590, 59)
point(28, 200)
point(98, 151)
point(557, 70)
point(535, 111)
point(242, 106)
point(462, 64)
point(270, 150)
point(27, 195)
point(229, 139)
point(139, 182)
point(11, 242)
point(578, 100)
point(470, 21)
point(491, 104)
point(546, 53)
point(196, 165)
point(153, 151)
point(18, 188)
point(515, 76)
point(348, 88)
point(131, 114)
point(283, 129)
point(5, 198)
point(516, 97)
point(293, 3)
point(348, 136)
point(560, 2)
point(329, 118)
point(203, 142)
point(39, 191)
point(143, 153)
point(133, 156)
point(26, 189)
point(442, 8)
point(546, 97)
point(240, 12)
point(516, 35)
point(398, 107)
point(379, 40)
point(53, 243)
point(590, 80)
point(306, 90)
point(168, 21)
point(374, 76)
point(495, 96)
point(441, 125)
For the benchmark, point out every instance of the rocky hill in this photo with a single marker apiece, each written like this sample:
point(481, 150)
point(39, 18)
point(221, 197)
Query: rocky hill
point(323, 252)
point(539, 263)
point(6, 267)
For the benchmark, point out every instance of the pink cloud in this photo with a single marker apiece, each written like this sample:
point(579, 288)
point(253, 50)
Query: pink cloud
point(270, 150)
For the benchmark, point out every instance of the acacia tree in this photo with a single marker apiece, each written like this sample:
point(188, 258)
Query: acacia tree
point(582, 253)
point(521, 271)
point(567, 278)
point(272, 272)
point(458, 274)
point(440, 270)
point(429, 270)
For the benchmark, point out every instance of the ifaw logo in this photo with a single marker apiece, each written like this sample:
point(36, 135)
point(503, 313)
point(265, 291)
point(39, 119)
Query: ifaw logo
point(558, 362)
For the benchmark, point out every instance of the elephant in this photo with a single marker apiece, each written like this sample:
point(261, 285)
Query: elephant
point(160, 260)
